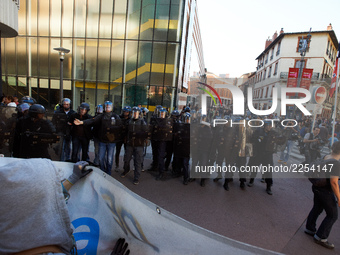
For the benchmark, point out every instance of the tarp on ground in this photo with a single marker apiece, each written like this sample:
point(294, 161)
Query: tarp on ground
point(102, 210)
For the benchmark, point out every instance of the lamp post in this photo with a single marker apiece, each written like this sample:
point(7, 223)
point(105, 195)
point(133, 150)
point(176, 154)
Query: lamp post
point(303, 47)
point(62, 51)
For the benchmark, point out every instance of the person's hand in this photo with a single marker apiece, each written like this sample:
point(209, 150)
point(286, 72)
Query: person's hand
point(120, 248)
point(78, 122)
point(79, 172)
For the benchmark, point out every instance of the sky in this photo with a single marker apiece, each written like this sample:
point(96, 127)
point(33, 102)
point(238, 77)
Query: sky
point(234, 31)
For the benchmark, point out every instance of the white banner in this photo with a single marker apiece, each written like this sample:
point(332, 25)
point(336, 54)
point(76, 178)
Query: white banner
point(102, 210)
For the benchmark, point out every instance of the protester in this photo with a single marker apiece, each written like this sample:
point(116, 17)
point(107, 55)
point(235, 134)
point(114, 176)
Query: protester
point(326, 198)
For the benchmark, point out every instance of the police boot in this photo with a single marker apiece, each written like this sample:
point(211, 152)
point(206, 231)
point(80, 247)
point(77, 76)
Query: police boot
point(242, 185)
point(202, 182)
point(159, 177)
point(226, 185)
point(269, 190)
point(251, 182)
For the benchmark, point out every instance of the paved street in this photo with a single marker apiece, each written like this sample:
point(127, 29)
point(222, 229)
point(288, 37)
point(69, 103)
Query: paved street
point(272, 222)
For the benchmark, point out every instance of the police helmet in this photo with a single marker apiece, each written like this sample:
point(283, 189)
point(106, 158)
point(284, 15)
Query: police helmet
point(36, 109)
point(156, 111)
point(66, 100)
point(127, 109)
point(187, 109)
point(99, 108)
point(85, 106)
point(23, 107)
point(187, 118)
point(29, 100)
point(136, 112)
point(175, 113)
point(108, 106)
point(162, 113)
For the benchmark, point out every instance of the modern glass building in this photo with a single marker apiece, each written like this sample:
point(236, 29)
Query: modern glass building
point(127, 51)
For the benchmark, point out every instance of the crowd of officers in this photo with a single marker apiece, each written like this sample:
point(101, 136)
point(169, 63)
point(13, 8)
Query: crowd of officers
point(170, 135)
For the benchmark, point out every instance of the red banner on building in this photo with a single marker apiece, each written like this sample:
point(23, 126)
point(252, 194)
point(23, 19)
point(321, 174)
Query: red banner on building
point(305, 80)
point(292, 80)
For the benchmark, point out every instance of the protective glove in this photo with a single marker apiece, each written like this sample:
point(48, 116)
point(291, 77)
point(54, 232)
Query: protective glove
point(79, 172)
point(120, 248)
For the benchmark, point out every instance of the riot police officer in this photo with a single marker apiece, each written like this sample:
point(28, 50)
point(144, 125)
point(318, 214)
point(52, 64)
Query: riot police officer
point(182, 147)
point(27, 142)
point(109, 134)
point(137, 131)
point(161, 132)
point(263, 140)
point(154, 164)
point(170, 144)
point(125, 117)
point(61, 120)
point(81, 135)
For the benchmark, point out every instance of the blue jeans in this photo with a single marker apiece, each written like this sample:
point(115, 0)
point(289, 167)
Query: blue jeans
point(105, 163)
point(289, 146)
point(323, 200)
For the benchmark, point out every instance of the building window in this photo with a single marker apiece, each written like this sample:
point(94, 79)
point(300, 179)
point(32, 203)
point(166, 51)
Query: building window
point(327, 48)
point(267, 56)
point(278, 49)
point(272, 55)
point(275, 70)
point(265, 72)
point(267, 89)
point(270, 71)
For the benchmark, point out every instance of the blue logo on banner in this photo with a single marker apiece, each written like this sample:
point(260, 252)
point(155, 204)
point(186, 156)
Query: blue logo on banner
point(91, 237)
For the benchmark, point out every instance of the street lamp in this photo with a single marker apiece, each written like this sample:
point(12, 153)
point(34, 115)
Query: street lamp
point(303, 47)
point(62, 51)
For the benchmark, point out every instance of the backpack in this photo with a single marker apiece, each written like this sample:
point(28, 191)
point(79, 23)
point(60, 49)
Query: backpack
point(318, 170)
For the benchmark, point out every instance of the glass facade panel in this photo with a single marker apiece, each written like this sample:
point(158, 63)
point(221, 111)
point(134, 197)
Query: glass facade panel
point(91, 59)
point(78, 56)
point(43, 57)
point(67, 70)
point(54, 59)
point(33, 21)
point(162, 20)
point(171, 60)
point(131, 62)
point(119, 20)
point(106, 19)
point(43, 18)
point(117, 56)
point(22, 18)
point(155, 95)
point(93, 19)
point(144, 62)
point(9, 64)
point(22, 56)
point(55, 17)
point(175, 21)
point(133, 19)
point(147, 20)
point(33, 56)
point(80, 18)
point(104, 63)
point(135, 94)
point(158, 66)
point(67, 27)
